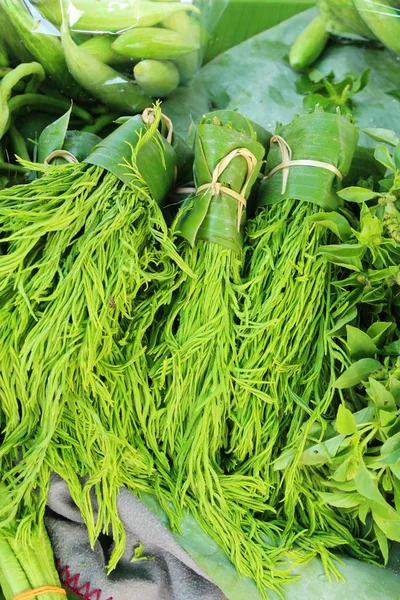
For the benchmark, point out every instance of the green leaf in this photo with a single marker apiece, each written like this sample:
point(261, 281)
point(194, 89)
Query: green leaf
point(394, 387)
point(345, 255)
point(349, 315)
point(396, 492)
point(381, 397)
point(390, 451)
point(378, 330)
point(347, 470)
point(341, 499)
point(382, 155)
point(345, 423)
point(333, 221)
point(396, 156)
point(357, 194)
point(393, 348)
point(357, 372)
point(382, 135)
point(53, 136)
point(366, 485)
point(80, 143)
point(383, 542)
point(386, 418)
point(360, 344)
point(387, 519)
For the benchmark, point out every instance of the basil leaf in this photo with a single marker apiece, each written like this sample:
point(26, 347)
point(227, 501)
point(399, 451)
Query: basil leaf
point(345, 422)
point(360, 344)
point(338, 224)
point(382, 135)
point(345, 255)
point(382, 155)
point(357, 194)
point(390, 451)
point(357, 372)
point(380, 396)
point(383, 542)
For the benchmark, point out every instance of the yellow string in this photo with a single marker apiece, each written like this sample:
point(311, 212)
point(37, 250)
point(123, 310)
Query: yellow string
point(287, 162)
point(216, 187)
point(46, 589)
point(61, 154)
point(148, 117)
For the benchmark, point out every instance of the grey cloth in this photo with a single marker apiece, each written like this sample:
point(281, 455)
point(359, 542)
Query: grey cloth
point(171, 575)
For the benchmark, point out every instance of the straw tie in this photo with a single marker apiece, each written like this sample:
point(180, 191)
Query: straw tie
point(287, 162)
point(148, 118)
point(46, 589)
point(70, 158)
point(217, 187)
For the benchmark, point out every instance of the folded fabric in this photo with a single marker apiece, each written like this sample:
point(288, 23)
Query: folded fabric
point(160, 569)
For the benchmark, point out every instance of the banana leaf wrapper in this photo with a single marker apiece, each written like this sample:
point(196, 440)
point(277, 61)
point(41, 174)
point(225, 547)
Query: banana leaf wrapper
point(192, 350)
point(317, 136)
point(214, 217)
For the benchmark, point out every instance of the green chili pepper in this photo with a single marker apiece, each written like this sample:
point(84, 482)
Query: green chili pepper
point(153, 42)
point(309, 45)
point(100, 47)
point(102, 81)
point(157, 78)
point(100, 16)
point(6, 87)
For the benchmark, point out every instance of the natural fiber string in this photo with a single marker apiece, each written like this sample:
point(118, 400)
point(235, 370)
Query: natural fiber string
point(46, 589)
point(61, 154)
point(216, 187)
point(148, 117)
point(287, 162)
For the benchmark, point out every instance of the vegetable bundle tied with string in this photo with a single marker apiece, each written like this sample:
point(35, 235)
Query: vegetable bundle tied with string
point(285, 355)
point(194, 352)
point(78, 247)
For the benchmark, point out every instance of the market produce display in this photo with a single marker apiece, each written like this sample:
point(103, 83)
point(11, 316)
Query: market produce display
point(208, 320)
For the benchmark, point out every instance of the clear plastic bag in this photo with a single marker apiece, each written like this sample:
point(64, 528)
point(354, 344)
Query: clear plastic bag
point(123, 53)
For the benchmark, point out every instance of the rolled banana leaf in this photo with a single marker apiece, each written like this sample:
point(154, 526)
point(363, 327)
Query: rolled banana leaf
point(214, 218)
point(325, 137)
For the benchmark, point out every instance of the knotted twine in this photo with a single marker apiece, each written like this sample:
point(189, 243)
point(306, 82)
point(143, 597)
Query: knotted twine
point(217, 187)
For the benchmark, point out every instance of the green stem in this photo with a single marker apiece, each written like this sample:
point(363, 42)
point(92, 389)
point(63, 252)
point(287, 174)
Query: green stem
point(100, 123)
point(5, 167)
point(49, 104)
